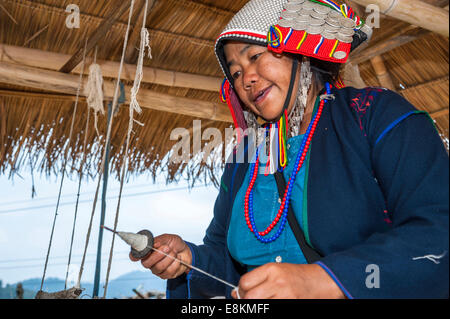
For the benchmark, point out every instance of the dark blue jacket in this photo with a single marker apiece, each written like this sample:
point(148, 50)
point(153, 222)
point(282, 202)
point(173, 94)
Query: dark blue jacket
point(376, 204)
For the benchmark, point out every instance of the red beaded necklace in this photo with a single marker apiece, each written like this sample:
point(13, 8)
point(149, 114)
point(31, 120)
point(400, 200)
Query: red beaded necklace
point(282, 211)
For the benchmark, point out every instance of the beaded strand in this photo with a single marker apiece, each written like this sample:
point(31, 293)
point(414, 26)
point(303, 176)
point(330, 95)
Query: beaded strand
point(282, 212)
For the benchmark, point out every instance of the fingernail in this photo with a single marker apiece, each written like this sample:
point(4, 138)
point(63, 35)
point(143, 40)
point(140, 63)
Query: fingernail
point(237, 292)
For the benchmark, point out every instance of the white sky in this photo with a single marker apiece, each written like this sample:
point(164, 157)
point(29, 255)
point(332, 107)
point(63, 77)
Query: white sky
point(25, 234)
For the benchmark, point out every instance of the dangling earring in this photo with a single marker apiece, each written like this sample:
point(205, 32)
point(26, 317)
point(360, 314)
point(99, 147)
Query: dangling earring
point(252, 124)
point(250, 118)
point(296, 115)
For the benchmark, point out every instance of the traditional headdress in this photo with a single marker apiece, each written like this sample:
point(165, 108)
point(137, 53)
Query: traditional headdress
point(320, 29)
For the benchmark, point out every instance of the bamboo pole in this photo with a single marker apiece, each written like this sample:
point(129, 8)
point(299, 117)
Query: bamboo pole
point(439, 113)
point(66, 83)
point(427, 84)
point(414, 12)
point(36, 95)
point(352, 77)
point(382, 73)
point(54, 61)
point(403, 37)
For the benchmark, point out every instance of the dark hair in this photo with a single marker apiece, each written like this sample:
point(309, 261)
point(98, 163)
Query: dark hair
point(325, 71)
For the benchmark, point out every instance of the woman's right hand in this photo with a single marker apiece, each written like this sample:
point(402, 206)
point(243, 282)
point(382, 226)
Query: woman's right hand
point(163, 266)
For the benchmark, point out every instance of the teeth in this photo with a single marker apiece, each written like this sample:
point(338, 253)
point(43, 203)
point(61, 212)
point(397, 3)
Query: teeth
point(261, 94)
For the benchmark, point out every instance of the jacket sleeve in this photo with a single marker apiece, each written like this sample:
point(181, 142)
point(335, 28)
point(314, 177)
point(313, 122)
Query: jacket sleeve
point(411, 165)
point(212, 257)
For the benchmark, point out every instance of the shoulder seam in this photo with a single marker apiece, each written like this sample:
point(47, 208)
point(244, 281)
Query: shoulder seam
point(397, 121)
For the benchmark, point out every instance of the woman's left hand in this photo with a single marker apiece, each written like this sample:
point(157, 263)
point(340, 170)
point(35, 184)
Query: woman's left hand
point(288, 281)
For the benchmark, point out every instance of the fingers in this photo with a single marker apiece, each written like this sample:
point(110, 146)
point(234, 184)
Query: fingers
point(167, 267)
point(253, 278)
point(235, 293)
point(132, 258)
point(256, 284)
point(164, 266)
point(155, 257)
point(173, 270)
point(263, 291)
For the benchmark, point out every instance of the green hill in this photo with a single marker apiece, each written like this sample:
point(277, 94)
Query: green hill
point(121, 287)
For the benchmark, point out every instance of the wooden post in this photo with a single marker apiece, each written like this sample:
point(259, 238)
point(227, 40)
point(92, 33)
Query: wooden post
point(394, 41)
point(439, 113)
point(414, 12)
point(352, 77)
point(382, 73)
point(53, 81)
point(54, 61)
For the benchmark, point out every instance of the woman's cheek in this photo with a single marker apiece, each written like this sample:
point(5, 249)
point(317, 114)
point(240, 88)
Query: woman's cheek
point(267, 66)
point(275, 70)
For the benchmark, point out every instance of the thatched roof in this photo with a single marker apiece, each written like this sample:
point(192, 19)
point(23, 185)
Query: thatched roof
point(35, 119)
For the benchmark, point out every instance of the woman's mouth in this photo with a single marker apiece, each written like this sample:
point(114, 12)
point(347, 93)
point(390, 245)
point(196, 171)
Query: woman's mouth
point(261, 96)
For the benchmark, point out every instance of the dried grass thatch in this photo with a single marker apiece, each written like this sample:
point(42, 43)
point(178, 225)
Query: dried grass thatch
point(34, 124)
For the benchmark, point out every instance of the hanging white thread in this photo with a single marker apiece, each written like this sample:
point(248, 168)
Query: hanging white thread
point(134, 104)
point(94, 92)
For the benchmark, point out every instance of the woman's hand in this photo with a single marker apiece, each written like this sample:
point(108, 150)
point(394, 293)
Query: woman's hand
point(163, 266)
point(288, 281)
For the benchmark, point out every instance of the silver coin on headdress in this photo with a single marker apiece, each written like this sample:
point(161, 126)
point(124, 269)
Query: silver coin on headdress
point(302, 18)
point(305, 12)
point(335, 14)
point(308, 5)
point(300, 26)
point(347, 23)
point(316, 22)
point(294, 7)
point(330, 28)
point(314, 29)
point(343, 38)
point(320, 16)
point(328, 35)
point(333, 23)
point(296, 1)
point(339, 55)
point(285, 23)
point(322, 9)
point(347, 32)
point(288, 15)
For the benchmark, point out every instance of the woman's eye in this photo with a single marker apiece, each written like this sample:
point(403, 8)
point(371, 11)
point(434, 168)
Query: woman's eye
point(236, 75)
point(256, 56)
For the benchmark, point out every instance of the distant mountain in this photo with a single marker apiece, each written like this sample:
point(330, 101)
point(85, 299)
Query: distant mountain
point(121, 287)
point(140, 280)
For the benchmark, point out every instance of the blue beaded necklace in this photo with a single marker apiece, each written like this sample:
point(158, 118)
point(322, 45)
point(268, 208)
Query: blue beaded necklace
point(282, 214)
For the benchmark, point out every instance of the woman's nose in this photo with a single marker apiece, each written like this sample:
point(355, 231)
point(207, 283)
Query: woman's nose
point(250, 78)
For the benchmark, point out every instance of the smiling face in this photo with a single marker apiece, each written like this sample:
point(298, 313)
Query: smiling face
point(261, 78)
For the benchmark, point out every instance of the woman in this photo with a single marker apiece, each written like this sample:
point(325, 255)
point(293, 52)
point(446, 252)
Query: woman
point(352, 197)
